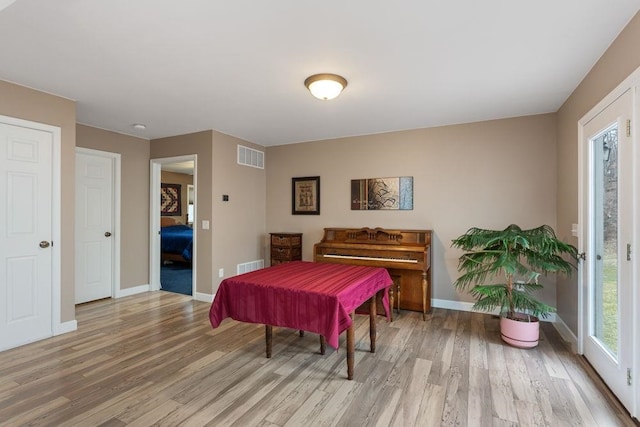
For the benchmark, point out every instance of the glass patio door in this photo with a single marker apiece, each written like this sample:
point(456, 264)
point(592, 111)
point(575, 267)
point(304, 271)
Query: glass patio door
point(607, 230)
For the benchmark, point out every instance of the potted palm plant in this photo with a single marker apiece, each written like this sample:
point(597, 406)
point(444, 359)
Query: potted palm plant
point(515, 258)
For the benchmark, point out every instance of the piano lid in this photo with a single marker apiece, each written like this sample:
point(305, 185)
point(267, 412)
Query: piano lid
point(376, 236)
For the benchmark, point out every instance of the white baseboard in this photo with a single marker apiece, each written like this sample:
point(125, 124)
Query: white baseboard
point(63, 328)
point(566, 333)
point(452, 305)
point(132, 291)
point(203, 297)
point(468, 306)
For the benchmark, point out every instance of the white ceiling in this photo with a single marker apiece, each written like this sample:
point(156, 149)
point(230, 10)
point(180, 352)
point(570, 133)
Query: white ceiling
point(239, 66)
point(179, 167)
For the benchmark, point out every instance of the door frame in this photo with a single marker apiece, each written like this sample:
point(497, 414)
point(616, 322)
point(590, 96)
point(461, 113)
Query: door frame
point(58, 327)
point(116, 162)
point(154, 221)
point(632, 83)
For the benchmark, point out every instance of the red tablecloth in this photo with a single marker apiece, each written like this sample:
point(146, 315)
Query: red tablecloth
point(314, 297)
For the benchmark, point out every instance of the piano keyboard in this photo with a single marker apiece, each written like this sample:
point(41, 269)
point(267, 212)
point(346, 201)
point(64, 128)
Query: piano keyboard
point(369, 258)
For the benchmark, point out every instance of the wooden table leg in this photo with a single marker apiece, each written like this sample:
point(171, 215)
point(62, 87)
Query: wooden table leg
point(350, 350)
point(268, 334)
point(372, 322)
point(323, 345)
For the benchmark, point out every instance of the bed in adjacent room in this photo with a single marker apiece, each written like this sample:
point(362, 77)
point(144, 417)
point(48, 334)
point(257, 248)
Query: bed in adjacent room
point(176, 241)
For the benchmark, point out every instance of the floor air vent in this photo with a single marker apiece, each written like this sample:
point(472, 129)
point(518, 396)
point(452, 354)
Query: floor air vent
point(250, 266)
point(250, 157)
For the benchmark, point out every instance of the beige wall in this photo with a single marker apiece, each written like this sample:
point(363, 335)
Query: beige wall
point(237, 226)
point(488, 174)
point(134, 215)
point(28, 104)
point(617, 63)
point(184, 180)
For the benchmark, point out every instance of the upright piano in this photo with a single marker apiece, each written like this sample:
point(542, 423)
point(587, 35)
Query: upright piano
point(406, 254)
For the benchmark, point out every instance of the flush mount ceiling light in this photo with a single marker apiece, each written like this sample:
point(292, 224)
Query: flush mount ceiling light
point(6, 3)
point(139, 126)
point(325, 86)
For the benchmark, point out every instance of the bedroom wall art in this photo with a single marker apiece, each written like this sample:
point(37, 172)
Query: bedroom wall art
point(305, 195)
point(382, 194)
point(170, 200)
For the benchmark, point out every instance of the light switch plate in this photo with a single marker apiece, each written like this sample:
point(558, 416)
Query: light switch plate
point(205, 224)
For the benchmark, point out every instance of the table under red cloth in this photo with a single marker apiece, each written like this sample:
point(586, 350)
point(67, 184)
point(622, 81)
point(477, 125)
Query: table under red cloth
point(314, 297)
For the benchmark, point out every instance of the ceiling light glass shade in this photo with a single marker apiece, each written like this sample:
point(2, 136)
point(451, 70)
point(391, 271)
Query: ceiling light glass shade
point(325, 86)
point(6, 3)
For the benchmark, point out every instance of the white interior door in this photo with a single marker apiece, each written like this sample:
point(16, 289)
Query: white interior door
point(94, 227)
point(26, 232)
point(607, 231)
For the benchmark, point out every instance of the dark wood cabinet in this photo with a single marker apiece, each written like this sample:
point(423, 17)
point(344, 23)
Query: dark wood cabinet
point(285, 247)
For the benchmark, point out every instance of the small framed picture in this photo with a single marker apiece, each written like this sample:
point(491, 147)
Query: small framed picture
point(170, 200)
point(305, 196)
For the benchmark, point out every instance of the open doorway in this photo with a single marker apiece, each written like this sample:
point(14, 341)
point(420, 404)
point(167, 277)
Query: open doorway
point(173, 202)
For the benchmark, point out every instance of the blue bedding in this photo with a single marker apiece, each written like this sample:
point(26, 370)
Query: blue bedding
point(177, 239)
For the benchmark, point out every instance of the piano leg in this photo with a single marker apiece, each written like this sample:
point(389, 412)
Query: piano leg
point(394, 295)
point(424, 295)
point(397, 286)
point(391, 301)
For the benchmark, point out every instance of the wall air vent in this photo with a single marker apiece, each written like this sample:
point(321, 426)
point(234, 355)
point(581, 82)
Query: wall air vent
point(250, 157)
point(250, 266)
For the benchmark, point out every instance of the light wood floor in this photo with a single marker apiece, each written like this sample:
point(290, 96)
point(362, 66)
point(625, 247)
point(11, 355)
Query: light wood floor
point(153, 359)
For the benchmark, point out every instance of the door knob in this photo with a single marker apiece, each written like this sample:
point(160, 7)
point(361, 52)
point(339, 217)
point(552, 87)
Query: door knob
point(44, 244)
point(107, 234)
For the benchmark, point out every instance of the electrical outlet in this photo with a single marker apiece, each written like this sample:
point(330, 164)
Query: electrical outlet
point(221, 272)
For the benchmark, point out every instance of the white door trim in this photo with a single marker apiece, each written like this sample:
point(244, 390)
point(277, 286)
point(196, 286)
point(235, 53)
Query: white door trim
point(154, 211)
point(56, 234)
point(117, 167)
point(630, 83)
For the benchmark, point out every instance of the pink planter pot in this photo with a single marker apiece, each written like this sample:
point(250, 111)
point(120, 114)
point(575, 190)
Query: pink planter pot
point(520, 333)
